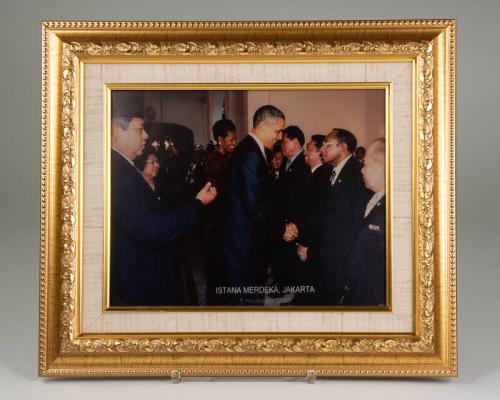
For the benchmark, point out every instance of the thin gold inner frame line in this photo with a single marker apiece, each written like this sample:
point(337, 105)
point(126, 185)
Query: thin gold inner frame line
point(243, 59)
point(386, 86)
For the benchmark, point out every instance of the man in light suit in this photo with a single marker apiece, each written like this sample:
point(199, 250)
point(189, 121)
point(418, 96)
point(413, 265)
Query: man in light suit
point(242, 248)
point(143, 231)
point(341, 215)
point(367, 272)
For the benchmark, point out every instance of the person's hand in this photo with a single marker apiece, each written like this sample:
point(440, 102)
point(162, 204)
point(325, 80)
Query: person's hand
point(207, 194)
point(302, 252)
point(291, 232)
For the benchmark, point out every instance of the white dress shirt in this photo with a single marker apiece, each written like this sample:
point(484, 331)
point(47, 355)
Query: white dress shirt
point(338, 169)
point(315, 168)
point(289, 161)
point(373, 201)
point(124, 156)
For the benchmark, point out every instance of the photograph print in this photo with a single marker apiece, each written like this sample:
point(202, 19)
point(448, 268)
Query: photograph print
point(268, 197)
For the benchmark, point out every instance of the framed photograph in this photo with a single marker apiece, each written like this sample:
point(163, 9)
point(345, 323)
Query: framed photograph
point(248, 199)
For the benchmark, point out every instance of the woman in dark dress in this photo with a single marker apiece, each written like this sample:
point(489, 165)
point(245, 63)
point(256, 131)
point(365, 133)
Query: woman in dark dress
point(149, 165)
point(224, 133)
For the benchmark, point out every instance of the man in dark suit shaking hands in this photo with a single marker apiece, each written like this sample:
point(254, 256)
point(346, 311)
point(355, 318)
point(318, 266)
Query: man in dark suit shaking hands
point(367, 273)
point(289, 194)
point(341, 215)
point(143, 229)
point(242, 249)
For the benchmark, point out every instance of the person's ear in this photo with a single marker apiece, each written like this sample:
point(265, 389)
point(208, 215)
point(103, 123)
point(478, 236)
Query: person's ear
point(260, 125)
point(115, 130)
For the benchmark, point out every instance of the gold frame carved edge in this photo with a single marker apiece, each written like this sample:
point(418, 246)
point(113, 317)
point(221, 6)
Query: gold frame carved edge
point(70, 342)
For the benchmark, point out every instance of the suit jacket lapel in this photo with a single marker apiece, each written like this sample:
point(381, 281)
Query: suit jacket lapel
point(282, 170)
point(133, 173)
point(380, 205)
point(295, 161)
point(344, 174)
point(253, 144)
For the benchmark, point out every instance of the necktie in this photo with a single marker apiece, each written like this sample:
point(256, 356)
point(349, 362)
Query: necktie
point(332, 177)
point(288, 163)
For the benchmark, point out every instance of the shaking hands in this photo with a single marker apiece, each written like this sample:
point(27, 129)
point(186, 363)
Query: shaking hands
point(302, 252)
point(207, 194)
point(291, 233)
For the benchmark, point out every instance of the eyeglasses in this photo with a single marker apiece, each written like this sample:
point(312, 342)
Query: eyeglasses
point(153, 162)
point(327, 144)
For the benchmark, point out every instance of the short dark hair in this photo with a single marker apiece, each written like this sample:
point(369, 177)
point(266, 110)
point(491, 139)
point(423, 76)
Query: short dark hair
point(360, 152)
point(318, 141)
point(276, 148)
point(266, 113)
point(140, 161)
point(294, 132)
point(222, 127)
point(344, 136)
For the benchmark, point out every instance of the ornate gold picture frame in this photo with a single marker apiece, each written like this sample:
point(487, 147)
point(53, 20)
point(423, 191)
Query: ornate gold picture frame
point(80, 60)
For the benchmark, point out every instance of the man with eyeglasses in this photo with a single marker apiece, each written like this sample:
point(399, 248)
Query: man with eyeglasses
point(340, 216)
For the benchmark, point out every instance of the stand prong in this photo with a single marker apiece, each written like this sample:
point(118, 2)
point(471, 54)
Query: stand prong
point(311, 376)
point(175, 375)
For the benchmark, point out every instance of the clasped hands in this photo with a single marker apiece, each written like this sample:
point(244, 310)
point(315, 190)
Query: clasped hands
point(291, 232)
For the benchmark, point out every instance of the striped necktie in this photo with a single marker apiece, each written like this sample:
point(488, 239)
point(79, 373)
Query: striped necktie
point(332, 177)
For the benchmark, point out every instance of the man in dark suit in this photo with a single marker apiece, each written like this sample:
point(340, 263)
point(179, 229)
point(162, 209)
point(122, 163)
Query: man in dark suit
point(341, 215)
point(242, 249)
point(143, 266)
point(367, 273)
point(286, 210)
point(317, 185)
